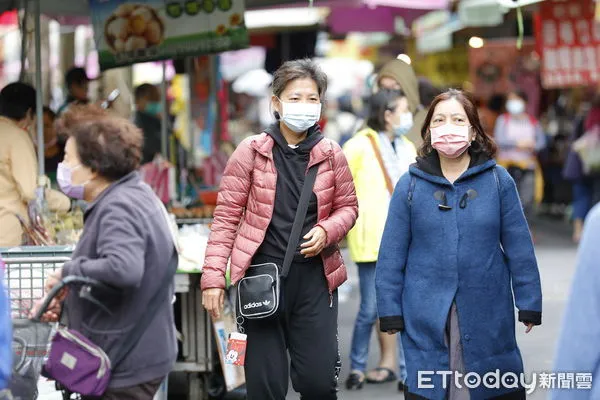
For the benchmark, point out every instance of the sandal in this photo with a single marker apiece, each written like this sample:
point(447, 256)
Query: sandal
point(390, 376)
point(355, 381)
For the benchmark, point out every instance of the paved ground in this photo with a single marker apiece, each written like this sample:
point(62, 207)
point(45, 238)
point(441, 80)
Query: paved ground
point(556, 257)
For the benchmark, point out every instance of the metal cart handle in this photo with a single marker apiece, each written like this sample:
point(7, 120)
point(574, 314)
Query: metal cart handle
point(73, 280)
point(35, 260)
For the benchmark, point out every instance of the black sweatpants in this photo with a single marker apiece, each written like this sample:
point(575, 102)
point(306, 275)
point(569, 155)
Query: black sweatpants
point(306, 327)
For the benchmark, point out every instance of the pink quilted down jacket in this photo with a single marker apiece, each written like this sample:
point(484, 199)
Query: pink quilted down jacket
point(245, 207)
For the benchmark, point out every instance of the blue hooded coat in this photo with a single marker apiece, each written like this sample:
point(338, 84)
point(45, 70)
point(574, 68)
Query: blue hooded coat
point(463, 243)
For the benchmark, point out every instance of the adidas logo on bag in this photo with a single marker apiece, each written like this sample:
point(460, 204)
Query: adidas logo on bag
point(256, 305)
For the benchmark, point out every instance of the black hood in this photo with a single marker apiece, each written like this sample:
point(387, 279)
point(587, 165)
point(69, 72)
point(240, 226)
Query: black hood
point(430, 164)
point(312, 139)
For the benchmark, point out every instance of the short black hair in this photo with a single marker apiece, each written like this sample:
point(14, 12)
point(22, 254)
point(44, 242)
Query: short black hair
point(76, 75)
point(380, 102)
point(144, 90)
point(299, 69)
point(16, 100)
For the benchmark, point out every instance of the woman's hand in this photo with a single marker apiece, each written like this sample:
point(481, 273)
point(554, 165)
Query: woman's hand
point(52, 313)
point(317, 237)
point(529, 326)
point(213, 300)
point(53, 310)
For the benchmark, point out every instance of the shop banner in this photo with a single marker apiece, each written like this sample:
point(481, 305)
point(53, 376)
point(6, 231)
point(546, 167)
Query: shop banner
point(129, 32)
point(568, 38)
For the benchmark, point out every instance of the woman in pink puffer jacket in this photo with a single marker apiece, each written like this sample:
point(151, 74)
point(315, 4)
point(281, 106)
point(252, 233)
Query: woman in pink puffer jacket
point(256, 206)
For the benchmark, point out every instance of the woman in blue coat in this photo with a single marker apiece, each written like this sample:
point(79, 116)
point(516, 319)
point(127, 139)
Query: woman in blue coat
point(454, 240)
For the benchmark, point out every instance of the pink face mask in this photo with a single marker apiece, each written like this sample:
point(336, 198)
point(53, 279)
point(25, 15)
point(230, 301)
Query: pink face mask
point(450, 140)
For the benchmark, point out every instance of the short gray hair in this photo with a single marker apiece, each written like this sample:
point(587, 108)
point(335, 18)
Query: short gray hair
point(299, 69)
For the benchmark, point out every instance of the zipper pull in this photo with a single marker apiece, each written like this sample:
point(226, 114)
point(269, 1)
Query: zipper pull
point(330, 300)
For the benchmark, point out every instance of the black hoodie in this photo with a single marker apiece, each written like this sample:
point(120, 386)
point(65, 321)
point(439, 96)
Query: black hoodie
point(431, 163)
point(291, 165)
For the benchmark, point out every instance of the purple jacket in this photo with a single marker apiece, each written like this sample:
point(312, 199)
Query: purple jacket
point(126, 243)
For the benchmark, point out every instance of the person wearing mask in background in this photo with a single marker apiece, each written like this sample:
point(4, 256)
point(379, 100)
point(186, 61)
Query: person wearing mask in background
point(398, 75)
point(5, 337)
point(78, 85)
point(455, 256)
point(520, 137)
point(18, 163)
point(256, 207)
point(54, 147)
point(578, 348)
point(378, 156)
point(148, 113)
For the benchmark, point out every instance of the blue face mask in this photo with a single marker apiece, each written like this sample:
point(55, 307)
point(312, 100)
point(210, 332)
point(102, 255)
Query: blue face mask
point(154, 108)
point(406, 123)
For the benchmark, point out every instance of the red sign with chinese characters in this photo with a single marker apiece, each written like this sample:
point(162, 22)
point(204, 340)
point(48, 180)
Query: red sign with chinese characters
point(569, 43)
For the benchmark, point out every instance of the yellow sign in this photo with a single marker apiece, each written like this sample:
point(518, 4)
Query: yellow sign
point(445, 68)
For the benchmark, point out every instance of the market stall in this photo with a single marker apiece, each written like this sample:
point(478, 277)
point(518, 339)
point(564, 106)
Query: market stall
point(28, 266)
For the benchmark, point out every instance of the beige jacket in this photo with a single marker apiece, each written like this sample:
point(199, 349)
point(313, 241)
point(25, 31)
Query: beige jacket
point(18, 181)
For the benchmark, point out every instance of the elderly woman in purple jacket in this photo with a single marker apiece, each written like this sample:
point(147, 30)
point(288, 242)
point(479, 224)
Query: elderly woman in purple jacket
point(126, 244)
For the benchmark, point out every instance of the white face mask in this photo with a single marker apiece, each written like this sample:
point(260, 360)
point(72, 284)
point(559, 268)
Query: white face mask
point(515, 106)
point(406, 123)
point(299, 117)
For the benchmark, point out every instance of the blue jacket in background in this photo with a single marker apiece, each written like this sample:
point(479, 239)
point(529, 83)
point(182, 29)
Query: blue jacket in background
point(467, 254)
point(579, 345)
point(5, 334)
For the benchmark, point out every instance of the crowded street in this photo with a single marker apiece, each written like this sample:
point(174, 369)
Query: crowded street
point(314, 199)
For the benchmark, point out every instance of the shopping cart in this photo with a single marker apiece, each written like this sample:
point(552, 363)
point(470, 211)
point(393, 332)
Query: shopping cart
point(26, 270)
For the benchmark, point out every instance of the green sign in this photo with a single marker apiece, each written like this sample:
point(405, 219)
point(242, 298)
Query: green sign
point(148, 30)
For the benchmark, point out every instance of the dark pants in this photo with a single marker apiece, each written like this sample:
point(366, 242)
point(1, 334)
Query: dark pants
point(582, 198)
point(144, 391)
point(306, 328)
point(525, 181)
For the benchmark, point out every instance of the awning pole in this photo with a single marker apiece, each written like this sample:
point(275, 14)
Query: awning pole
point(38, 87)
point(165, 115)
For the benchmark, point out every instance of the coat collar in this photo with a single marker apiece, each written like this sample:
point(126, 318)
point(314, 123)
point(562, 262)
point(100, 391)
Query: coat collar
point(132, 177)
point(264, 143)
point(429, 168)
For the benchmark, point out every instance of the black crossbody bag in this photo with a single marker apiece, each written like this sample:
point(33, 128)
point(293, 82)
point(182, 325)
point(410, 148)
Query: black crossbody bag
point(258, 292)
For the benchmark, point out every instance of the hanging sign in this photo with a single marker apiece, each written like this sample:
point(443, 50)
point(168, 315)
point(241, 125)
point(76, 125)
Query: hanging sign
point(569, 42)
point(129, 32)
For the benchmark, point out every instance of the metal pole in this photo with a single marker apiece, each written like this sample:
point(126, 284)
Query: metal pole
point(38, 87)
point(165, 115)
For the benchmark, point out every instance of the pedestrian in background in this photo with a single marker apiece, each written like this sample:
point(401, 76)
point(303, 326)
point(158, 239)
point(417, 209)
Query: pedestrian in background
point(148, 114)
point(573, 171)
point(18, 164)
point(455, 251)
point(78, 86)
point(54, 146)
point(5, 336)
point(378, 156)
point(578, 351)
point(260, 191)
point(398, 75)
point(520, 138)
